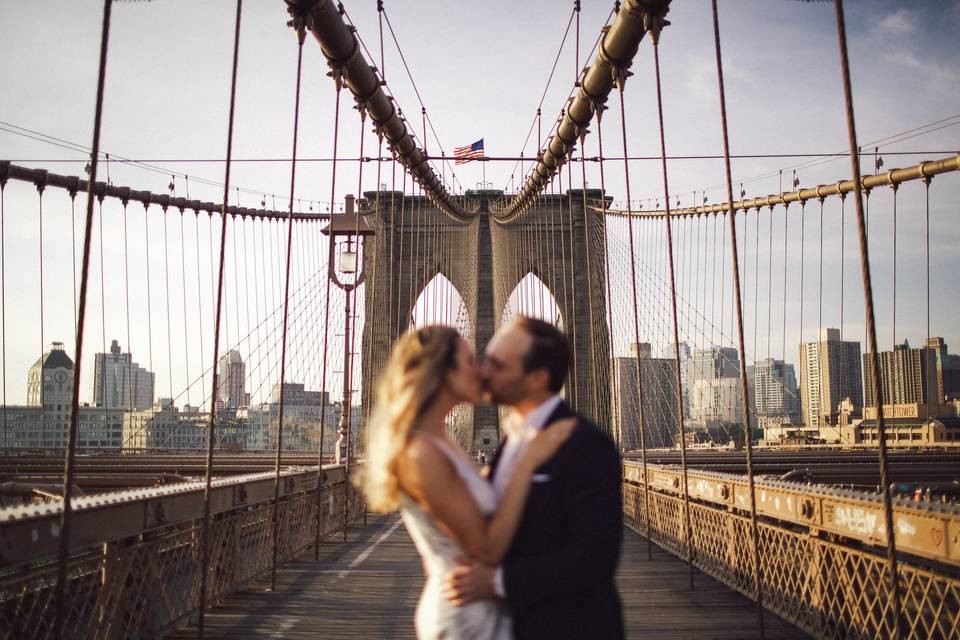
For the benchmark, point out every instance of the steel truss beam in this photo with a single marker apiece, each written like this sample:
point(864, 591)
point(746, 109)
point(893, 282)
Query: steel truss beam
point(922, 171)
point(348, 65)
point(73, 185)
point(609, 68)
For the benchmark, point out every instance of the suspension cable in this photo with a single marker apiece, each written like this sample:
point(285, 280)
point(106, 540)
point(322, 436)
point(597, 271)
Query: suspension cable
point(606, 257)
point(636, 329)
point(325, 395)
point(73, 433)
point(869, 313)
point(755, 541)
point(301, 36)
point(208, 473)
point(655, 35)
point(3, 304)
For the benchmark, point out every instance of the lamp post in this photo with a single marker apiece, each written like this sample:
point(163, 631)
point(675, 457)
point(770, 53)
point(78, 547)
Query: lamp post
point(346, 270)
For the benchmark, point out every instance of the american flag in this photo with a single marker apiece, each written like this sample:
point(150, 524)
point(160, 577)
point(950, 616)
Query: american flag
point(469, 153)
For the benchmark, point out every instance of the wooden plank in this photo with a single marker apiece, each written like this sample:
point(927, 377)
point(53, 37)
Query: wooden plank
point(369, 587)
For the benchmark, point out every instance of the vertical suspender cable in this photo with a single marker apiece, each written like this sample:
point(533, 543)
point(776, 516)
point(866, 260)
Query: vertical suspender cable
point(349, 339)
point(72, 434)
point(301, 35)
point(655, 34)
point(573, 288)
point(820, 274)
point(926, 228)
point(73, 248)
point(103, 318)
point(754, 537)
point(869, 311)
point(203, 372)
point(403, 234)
point(394, 292)
point(587, 237)
point(166, 284)
point(40, 382)
point(208, 472)
point(606, 252)
point(126, 301)
point(769, 278)
point(756, 284)
point(843, 230)
point(146, 223)
point(183, 291)
point(325, 394)
point(542, 273)
point(783, 333)
point(3, 306)
point(894, 314)
point(800, 339)
point(636, 327)
point(563, 245)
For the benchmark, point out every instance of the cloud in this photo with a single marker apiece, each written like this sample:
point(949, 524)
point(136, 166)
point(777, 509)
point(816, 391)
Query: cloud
point(938, 77)
point(905, 58)
point(899, 23)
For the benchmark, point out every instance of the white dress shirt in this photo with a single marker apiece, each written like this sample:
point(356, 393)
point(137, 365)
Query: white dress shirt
point(517, 442)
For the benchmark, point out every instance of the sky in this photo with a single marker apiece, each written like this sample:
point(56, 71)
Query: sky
point(480, 69)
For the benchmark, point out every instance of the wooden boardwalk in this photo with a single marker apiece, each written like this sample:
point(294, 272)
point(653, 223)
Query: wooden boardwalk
point(368, 588)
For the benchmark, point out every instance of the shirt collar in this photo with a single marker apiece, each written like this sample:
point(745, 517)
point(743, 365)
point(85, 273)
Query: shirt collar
point(539, 416)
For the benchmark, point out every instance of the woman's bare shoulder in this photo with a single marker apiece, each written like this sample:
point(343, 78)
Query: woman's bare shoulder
point(420, 462)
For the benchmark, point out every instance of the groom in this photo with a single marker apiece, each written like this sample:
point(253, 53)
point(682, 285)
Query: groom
point(558, 576)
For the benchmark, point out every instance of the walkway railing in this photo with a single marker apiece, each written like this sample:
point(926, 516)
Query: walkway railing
point(135, 564)
point(822, 550)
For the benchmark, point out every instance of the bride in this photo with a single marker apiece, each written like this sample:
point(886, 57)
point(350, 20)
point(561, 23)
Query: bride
point(449, 509)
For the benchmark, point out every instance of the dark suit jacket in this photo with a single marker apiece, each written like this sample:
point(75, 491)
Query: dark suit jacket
point(559, 571)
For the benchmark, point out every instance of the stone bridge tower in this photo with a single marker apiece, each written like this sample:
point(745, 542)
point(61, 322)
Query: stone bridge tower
point(559, 240)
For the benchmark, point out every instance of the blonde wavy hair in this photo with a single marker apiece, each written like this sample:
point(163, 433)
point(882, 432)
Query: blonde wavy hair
point(414, 375)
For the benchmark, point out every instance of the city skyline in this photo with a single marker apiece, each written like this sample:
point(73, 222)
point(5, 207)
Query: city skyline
point(758, 51)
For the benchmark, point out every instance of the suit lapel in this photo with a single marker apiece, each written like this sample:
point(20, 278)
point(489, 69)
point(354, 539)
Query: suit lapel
point(562, 411)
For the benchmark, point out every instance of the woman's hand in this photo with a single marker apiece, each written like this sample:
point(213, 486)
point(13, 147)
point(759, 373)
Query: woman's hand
point(546, 443)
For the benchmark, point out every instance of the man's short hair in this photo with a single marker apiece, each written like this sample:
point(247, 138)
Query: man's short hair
point(548, 350)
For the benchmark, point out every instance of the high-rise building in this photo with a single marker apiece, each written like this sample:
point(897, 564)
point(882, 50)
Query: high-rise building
point(658, 376)
point(905, 376)
point(50, 380)
point(119, 382)
point(829, 372)
point(50, 389)
point(924, 377)
point(713, 382)
point(948, 371)
point(231, 383)
point(775, 389)
point(685, 354)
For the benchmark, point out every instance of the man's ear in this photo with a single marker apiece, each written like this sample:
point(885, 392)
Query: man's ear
point(540, 379)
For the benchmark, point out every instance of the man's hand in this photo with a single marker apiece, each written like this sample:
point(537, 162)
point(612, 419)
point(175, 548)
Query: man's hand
point(468, 583)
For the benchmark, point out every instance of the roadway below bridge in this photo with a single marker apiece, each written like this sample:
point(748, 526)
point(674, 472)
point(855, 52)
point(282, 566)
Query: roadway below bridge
point(368, 588)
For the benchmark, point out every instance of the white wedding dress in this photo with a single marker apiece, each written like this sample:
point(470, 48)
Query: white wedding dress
point(436, 617)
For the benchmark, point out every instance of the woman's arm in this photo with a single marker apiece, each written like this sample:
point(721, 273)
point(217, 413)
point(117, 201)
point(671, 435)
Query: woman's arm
point(430, 477)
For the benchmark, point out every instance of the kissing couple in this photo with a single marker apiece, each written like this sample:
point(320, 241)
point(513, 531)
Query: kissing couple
point(530, 550)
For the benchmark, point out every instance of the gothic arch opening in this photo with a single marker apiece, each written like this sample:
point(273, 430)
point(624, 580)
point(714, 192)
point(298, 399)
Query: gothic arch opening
point(441, 303)
point(532, 297)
